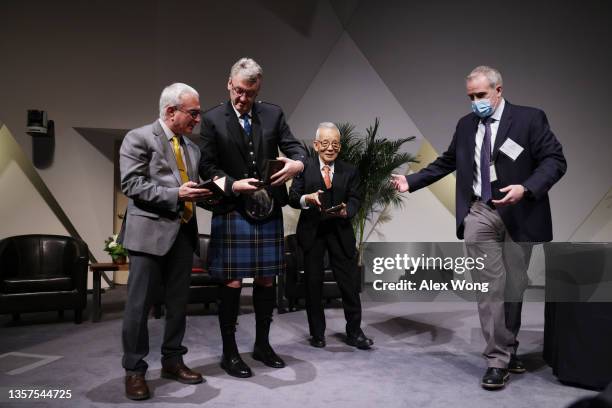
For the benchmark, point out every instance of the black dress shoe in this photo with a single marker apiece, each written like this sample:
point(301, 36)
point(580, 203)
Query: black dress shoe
point(495, 378)
point(136, 387)
point(359, 340)
point(234, 366)
point(266, 355)
point(181, 373)
point(316, 341)
point(515, 365)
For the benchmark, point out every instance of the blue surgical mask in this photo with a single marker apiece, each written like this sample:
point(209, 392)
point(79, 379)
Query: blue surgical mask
point(482, 108)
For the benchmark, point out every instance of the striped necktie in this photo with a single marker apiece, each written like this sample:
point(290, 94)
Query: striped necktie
point(485, 162)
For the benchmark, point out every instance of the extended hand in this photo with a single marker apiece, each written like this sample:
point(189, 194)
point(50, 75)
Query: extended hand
point(244, 186)
point(399, 183)
point(188, 193)
point(514, 194)
point(289, 170)
point(312, 199)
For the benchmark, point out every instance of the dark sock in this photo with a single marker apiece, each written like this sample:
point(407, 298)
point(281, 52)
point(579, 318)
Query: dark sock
point(229, 305)
point(263, 303)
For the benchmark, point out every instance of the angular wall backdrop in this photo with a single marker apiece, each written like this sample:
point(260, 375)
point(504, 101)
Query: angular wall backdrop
point(101, 65)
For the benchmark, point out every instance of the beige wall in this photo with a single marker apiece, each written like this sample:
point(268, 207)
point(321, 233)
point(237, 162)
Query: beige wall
point(101, 65)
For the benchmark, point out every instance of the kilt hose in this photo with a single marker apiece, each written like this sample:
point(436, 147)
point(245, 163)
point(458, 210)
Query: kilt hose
point(242, 248)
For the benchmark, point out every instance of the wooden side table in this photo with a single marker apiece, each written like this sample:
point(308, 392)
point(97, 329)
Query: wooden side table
point(99, 269)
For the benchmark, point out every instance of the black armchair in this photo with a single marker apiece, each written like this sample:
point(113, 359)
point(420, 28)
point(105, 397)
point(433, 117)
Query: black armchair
point(203, 287)
point(43, 273)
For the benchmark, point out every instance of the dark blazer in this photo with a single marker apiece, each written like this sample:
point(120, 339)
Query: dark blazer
point(538, 168)
point(344, 190)
point(224, 148)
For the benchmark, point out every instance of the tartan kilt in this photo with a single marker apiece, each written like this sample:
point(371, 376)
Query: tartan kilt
point(242, 248)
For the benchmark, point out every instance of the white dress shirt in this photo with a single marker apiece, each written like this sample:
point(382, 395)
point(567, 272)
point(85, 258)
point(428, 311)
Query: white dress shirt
point(241, 120)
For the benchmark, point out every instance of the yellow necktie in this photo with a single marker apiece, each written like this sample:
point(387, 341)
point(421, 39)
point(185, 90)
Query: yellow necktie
point(184, 177)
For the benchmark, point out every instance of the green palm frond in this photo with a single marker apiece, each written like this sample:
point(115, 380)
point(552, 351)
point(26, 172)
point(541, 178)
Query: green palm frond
point(375, 158)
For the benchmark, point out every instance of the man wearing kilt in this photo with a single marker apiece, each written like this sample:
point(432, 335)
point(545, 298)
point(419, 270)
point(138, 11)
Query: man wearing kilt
point(237, 140)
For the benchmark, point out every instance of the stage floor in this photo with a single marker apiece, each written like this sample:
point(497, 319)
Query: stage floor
point(426, 354)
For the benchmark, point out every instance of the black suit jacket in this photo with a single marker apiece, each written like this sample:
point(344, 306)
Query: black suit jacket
point(344, 190)
point(225, 152)
point(538, 168)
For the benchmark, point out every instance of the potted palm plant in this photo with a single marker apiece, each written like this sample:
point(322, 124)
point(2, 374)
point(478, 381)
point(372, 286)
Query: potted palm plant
point(376, 158)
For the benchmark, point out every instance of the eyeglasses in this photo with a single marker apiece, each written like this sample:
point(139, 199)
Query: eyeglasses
point(194, 113)
point(241, 91)
point(325, 144)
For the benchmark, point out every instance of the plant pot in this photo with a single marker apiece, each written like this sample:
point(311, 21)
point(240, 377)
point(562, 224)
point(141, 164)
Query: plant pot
point(120, 260)
point(361, 273)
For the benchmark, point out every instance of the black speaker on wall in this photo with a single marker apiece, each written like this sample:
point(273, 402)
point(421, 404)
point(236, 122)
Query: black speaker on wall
point(43, 142)
point(38, 125)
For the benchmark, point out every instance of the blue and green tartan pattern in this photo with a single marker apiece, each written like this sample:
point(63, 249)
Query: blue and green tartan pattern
point(240, 248)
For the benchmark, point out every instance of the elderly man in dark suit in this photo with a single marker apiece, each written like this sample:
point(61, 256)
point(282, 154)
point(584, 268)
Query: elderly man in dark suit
point(506, 159)
point(159, 169)
point(329, 184)
point(238, 139)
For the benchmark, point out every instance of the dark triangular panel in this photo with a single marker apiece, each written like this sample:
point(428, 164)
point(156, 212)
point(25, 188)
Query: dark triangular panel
point(345, 9)
point(102, 139)
point(299, 14)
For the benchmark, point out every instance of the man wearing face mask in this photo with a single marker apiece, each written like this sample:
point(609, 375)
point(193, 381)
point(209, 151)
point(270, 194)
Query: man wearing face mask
point(506, 159)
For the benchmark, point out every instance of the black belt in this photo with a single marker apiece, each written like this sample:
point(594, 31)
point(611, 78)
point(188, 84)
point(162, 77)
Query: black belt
point(477, 198)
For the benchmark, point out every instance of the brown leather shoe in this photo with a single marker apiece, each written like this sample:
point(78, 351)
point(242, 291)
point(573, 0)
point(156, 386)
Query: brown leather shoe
point(136, 387)
point(181, 373)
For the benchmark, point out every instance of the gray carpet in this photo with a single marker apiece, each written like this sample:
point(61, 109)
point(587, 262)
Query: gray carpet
point(425, 355)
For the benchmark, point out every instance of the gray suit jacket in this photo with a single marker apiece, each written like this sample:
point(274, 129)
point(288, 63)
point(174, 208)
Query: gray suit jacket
point(151, 179)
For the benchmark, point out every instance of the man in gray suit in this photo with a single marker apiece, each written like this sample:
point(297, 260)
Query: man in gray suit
point(159, 170)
